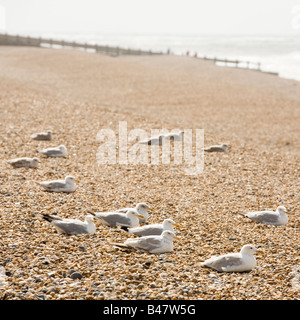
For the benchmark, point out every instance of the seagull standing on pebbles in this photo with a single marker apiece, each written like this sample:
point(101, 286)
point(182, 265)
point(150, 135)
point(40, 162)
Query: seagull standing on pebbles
point(60, 151)
point(72, 226)
point(42, 135)
point(234, 262)
point(24, 162)
point(67, 185)
point(277, 218)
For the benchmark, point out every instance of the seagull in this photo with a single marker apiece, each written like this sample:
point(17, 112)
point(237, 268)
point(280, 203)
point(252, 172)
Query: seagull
point(67, 185)
point(153, 229)
point(113, 219)
point(153, 141)
point(72, 226)
point(154, 244)
point(175, 136)
point(24, 162)
point(141, 208)
point(60, 151)
point(217, 148)
point(234, 262)
point(42, 135)
point(277, 218)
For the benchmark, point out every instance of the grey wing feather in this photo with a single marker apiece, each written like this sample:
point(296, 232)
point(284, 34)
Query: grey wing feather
point(54, 185)
point(149, 243)
point(71, 227)
point(114, 219)
point(263, 217)
point(147, 230)
point(51, 152)
point(224, 262)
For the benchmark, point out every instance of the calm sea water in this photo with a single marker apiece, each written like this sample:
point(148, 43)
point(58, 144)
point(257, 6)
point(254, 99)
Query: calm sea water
point(275, 53)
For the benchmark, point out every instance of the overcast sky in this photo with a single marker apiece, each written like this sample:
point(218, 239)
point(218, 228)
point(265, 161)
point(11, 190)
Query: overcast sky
point(151, 16)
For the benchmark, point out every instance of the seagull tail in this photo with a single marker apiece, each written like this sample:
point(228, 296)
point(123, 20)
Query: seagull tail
point(47, 217)
point(123, 246)
point(238, 213)
point(92, 213)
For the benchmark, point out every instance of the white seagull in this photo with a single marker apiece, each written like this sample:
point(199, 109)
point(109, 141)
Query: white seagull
point(234, 262)
point(174, 136)
point(72, 226)
point(112, 219)
point(217, 148)
point(153, 229)
point(141, 208)
point(277, 218)
point(42, 135)
point(60, 151)
point(153, 244)
point(66, 185)
point(24, 162)
point(154, 141)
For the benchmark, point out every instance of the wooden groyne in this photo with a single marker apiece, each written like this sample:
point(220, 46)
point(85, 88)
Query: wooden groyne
point(250, 65)
point(16, 40)
point(256, 66)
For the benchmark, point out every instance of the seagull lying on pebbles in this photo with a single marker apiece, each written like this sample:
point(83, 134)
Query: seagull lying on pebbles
point(141, 208)
point(153, 141)
point(67, 185)
point(153, 244)
point(113, 219)
point(234, 262)
point(277, 218)
point(217, 148)
point(153, 229)
point(24, 162)
point(72, 226)
point(42, 135)
point(174, 136)
point(60, 151)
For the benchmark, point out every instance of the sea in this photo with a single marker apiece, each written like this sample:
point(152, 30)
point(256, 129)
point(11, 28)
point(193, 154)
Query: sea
point(275, 53)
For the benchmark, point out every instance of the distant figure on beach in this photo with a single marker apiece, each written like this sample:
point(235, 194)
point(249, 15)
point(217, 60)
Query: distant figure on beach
point(42, 135)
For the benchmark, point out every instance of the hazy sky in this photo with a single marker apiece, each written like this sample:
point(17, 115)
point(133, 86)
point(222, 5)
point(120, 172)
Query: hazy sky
point(151, 16)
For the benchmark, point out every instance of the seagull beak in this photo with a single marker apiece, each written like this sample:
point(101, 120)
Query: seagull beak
point(140, 216)
point(176, 225)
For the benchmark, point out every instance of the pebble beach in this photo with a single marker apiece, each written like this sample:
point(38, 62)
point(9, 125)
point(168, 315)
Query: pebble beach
point(75, 94)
